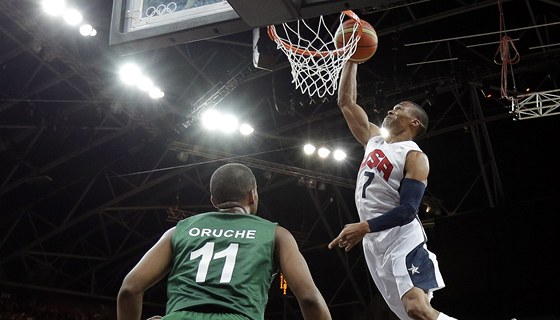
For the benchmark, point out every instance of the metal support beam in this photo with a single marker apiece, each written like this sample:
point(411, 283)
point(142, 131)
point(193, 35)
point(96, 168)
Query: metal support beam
point(492, 182)
point(220, 91)
point(536, 105)
point(344, 260)
point(262, 164)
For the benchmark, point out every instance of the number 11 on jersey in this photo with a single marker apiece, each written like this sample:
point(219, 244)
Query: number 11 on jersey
point(207, 255)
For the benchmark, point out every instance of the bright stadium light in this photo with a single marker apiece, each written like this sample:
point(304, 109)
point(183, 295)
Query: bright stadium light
point(339, 155)
point(86, 30)
point(145, 84)
point(229, 123)
point(54, 7)
point(130, 73)
point(211, 119)
point(309, 148)
point(246, 129)
point(72, 17)
point(323, 152)
point(156, 93)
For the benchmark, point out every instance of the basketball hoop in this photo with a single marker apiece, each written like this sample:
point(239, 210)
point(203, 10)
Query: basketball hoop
point(316, 62)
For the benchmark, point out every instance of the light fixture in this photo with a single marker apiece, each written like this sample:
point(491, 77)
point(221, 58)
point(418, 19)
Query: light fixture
point(129, 73)
point(246, 129)
point(229, 123)
point(323, 152)
point(309, 148)
point(156, 93)
point(144, 83)
point(86, 30)
point(72, 17)
point(339, 155)
point(211, 119)
point(311, 183)
point(182, 156)
point(54, 7)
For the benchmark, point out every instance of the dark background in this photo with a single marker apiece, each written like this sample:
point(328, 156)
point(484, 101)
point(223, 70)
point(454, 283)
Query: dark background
point(90, 175)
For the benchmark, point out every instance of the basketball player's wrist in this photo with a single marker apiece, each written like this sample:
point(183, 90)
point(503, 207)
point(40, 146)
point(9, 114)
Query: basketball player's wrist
point(367, 225)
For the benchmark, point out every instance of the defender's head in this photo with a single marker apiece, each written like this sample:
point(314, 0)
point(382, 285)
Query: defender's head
point(234, 183)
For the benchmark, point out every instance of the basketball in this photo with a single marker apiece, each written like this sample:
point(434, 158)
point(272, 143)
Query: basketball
point(367, 46)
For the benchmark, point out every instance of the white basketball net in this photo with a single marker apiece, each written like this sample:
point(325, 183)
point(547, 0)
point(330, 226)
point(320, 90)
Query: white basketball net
point(315, 62)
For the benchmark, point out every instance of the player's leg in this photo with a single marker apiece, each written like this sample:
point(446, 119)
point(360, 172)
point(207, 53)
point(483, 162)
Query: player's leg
point(417, 305)
point(381, 272)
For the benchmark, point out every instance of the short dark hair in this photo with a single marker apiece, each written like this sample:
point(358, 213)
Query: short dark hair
point(231, 183)
point(422, 116)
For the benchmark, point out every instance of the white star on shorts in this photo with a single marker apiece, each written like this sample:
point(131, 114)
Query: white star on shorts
point(413, 270)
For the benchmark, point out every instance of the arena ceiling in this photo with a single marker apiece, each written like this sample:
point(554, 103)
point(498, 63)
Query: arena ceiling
point(93, 172)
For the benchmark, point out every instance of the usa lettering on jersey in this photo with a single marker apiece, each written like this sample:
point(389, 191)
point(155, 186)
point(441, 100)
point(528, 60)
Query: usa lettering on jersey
point(378, 160)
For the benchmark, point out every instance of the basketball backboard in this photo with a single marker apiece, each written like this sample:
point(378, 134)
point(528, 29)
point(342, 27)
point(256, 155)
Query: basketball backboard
point(141, 25)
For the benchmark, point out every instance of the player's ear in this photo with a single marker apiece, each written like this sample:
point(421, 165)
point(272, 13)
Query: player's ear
point(253, 196)
point(254, 201)
point(213, 202)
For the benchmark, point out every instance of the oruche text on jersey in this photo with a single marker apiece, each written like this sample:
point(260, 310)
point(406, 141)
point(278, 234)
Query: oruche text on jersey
point(219, 233)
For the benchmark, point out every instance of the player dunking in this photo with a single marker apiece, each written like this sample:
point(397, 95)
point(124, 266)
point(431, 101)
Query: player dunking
point(389, 187)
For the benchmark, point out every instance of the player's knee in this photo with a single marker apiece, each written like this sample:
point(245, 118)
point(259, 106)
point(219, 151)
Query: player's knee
point(416, 312)
point(416, 308)
point(412, 309)
point(420, 311)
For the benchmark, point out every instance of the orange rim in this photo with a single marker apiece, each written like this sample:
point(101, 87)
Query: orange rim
point(271, 30)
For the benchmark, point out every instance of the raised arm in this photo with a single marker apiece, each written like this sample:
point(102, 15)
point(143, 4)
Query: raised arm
point(153, 266)
point(354, 114)
point(299, 279)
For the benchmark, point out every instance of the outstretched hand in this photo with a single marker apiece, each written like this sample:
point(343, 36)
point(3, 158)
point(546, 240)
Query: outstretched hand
point(350, 235)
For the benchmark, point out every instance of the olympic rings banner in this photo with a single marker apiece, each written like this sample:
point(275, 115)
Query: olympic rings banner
point(151, 8)
point(138, 25)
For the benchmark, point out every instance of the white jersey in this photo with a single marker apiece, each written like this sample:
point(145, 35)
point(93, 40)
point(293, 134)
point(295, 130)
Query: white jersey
point(378, 183)
point(398, 258)
point(380, 176)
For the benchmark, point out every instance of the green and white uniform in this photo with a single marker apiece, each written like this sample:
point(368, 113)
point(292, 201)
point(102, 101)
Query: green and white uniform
point(223, 263)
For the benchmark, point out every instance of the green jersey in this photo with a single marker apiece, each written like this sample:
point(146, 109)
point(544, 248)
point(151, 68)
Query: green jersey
point(222, 263)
